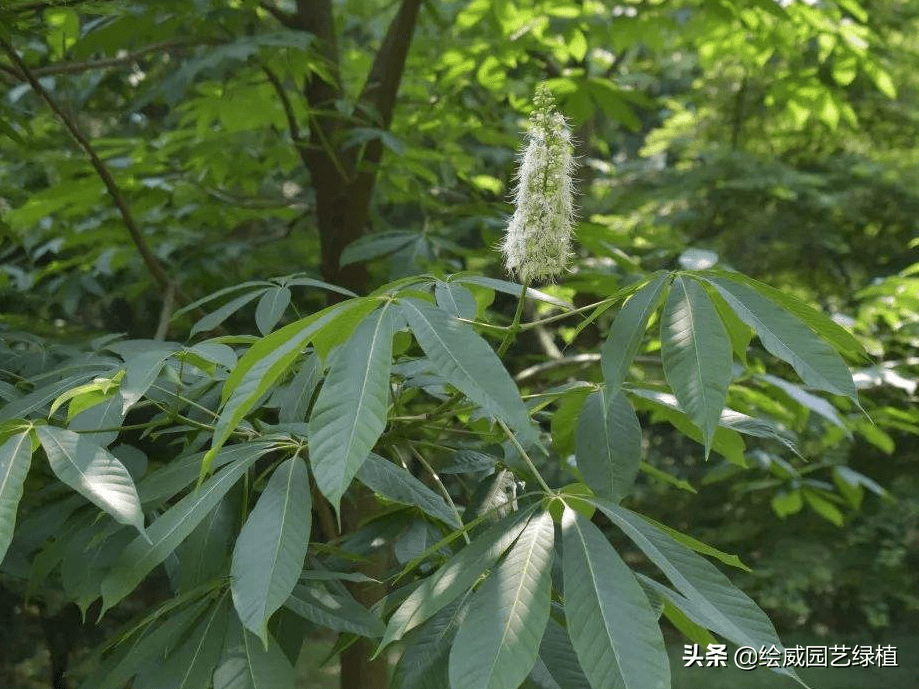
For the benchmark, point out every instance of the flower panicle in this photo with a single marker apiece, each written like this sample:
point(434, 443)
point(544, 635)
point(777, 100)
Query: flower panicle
point(537, 245)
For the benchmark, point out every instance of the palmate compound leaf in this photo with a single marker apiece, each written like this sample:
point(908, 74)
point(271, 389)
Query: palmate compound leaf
point(93, 472)
point(466, 361)
point(246, 664)
point(608, 438)
point(786, 337)
point(627, 331)
point(15, 459)
point(271, 547)
point(498, 642)
point(265, 362)
point(454, 577)
point(696, 353)
point(350, 412)
point(173, 526)
point(610, 622)
point(727, 610)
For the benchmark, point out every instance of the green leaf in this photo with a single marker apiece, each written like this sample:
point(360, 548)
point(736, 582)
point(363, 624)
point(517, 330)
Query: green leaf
point(608, 444)
point(190, 665)
point(15, 459)
point(298, 281)
point(263, 364)
point(696, 352)
point(94, 473)
point(102, 384)
point(823, 507)
point(207, 550)
point(178, 473)
point(141, 370)
point(726, 442)
point(498, 642)
point(675, 609)
point(698, 545)
point(816, 404)
point(466, 361)
point(167, 532)
point(294, 401)
point(215, 318)
point(104, 418)
point(426, 650)
point(271, 547)
point(560, 658)
point(130, 657)
point(219, 293)
point(727, 610)
point(246, 664)
point(610, 622)
point(786, 503)
point(340, 613)
point(758, 428)
point(375, 245)
point(350, 413)
point(395, 483)
point(455, 299)
point(740, 333)
point(692, 631)
point(627, 331)
point(457, 575)
point(38, 398)
point(513, 289)
point(270, 308)
point(789, 339)
point(667, 478)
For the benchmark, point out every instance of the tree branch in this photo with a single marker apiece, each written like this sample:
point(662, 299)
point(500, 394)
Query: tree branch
point(382, 83)
point(77, 67)
point(150, 260)
point(286, 104)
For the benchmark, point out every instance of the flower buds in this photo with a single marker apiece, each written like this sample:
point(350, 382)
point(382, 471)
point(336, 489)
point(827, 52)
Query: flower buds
point(538, 241)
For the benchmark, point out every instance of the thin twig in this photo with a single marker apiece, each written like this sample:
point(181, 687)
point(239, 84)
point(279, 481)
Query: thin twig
point(292, 124)
point(103, 63)
point(150, 260)
point(166, 312)
point(515, 325)
point(440, 485)
point(516, 443)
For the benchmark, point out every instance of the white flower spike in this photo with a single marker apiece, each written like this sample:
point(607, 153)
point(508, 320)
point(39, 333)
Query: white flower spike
point(538, 241)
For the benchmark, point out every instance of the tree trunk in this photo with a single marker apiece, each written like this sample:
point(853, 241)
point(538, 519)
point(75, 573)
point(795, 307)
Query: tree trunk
point(343, 178)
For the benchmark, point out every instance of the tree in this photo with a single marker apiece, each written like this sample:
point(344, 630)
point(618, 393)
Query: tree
point(380, 415)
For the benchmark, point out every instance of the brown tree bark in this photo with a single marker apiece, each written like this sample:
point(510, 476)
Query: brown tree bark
point(343, 177)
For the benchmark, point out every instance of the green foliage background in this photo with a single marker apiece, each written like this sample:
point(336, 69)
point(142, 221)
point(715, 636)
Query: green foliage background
point(772, 138)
